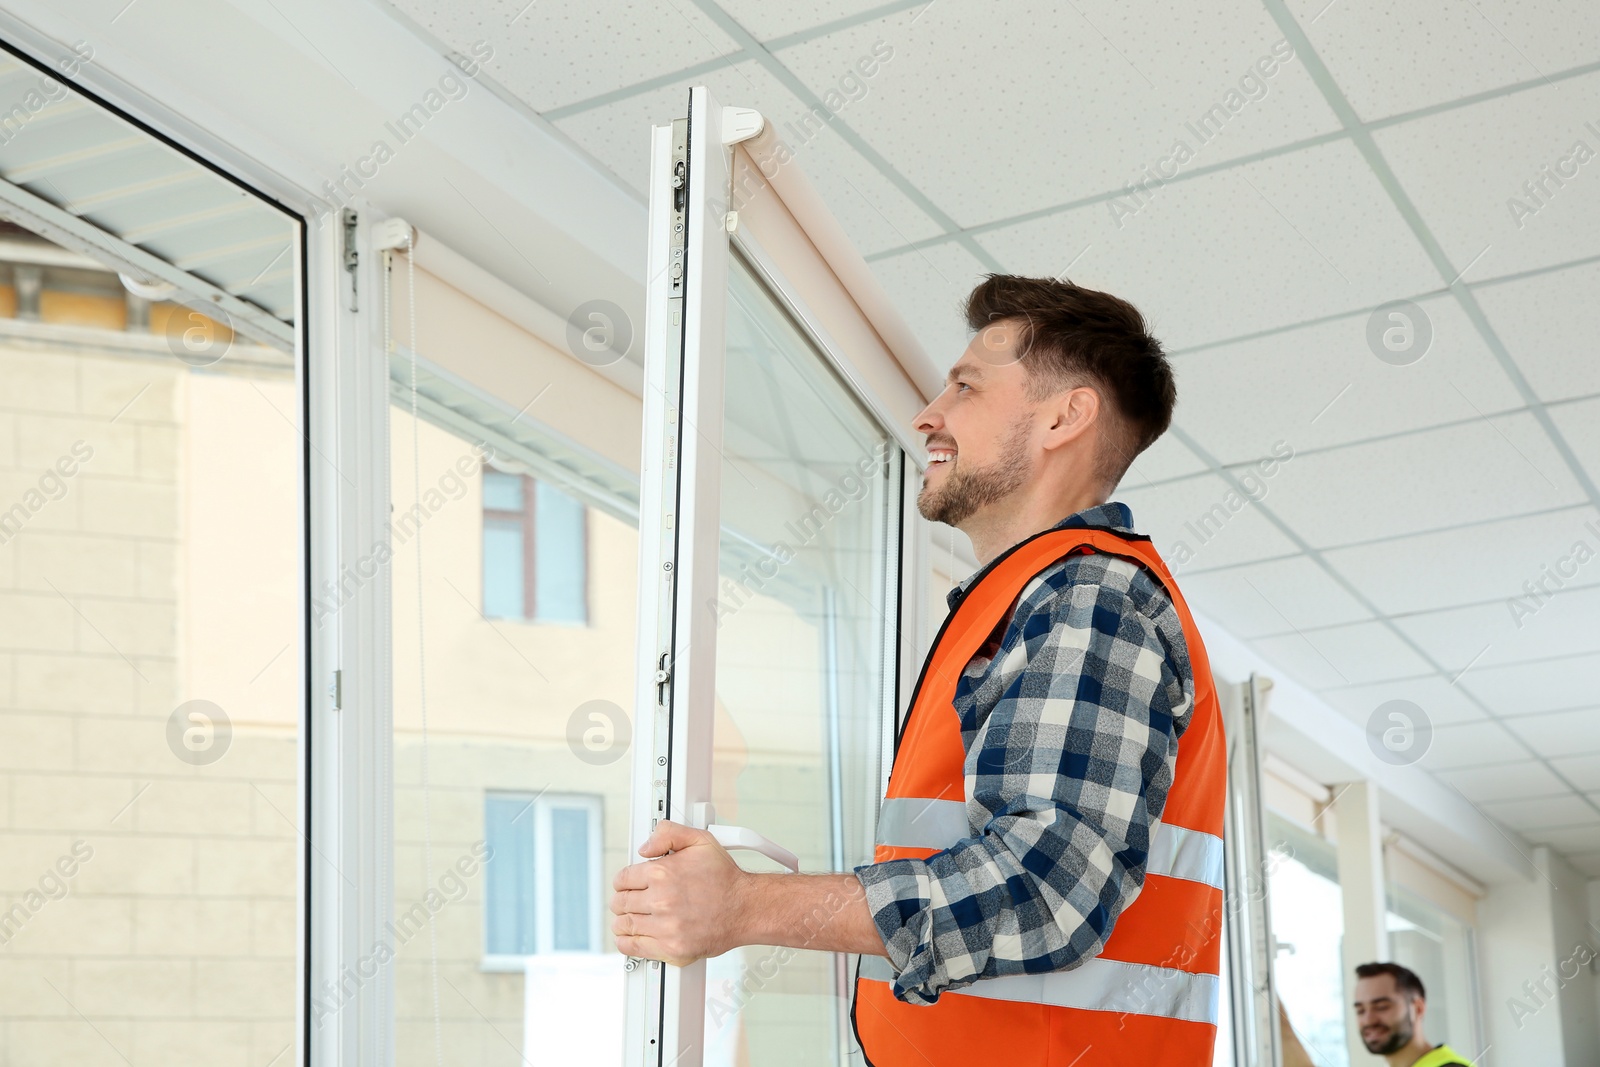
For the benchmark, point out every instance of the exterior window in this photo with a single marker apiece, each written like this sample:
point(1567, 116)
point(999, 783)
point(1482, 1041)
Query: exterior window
point(535, 551)
point(542, 878)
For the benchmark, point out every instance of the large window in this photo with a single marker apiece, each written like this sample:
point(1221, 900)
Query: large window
point(152, 607)
point(1307, 928)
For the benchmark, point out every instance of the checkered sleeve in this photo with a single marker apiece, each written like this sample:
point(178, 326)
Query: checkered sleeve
point(1071, 734)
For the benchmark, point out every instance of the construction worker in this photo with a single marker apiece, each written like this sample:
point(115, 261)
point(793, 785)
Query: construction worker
point(1390, 1004)
point(1047, 886)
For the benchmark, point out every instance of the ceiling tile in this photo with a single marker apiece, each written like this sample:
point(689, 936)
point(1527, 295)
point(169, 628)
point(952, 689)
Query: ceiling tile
point(1579, 423)
point(1201, 521)
point(766, 20)
point(1469, 744)
point(1525, 816)
point(1560, 733)
point(1509, 631)
point(1389, 58)
point(1168, 458)
point(1255, 247)
point(1526, 688)
point(1581, 771)
point(1322, 385)
point(1549, 322)
point(1440, 702)
point(930, 287)
point(1484, 469)
point(1272, 595)
point(1353, 654)
point(1508, 141)
point(1484, 561)
point(1082, 97)
point(1512, 780)
point(550, 54)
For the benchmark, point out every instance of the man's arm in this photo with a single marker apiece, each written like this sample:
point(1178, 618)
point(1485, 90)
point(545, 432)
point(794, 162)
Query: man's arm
point(697, 902)
point(1065, 778)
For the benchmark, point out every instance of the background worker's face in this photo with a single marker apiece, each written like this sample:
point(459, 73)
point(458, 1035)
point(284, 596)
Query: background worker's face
point(979, 430)
point(1387, 1018)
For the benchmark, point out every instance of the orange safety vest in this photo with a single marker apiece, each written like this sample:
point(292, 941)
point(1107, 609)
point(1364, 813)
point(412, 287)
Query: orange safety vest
point(1151, 995)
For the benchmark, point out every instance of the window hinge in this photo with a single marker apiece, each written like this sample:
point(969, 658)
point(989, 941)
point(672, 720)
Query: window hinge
point(352, 255)
point(336, 690)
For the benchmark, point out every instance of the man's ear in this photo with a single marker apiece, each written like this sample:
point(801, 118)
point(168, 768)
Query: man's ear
point(1073, 414)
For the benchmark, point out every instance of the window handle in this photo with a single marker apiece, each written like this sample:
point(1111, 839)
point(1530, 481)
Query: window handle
point(732, 837)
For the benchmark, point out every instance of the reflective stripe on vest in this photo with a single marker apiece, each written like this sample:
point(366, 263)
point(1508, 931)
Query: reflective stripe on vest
point(914, 822)
point(1151, 994)
point(1094, 985)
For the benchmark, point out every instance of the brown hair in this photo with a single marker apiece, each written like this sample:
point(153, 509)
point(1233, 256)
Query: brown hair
point(1406, 982)
point(1071, 336)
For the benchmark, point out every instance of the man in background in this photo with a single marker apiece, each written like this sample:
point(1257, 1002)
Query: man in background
point(1390, 1005)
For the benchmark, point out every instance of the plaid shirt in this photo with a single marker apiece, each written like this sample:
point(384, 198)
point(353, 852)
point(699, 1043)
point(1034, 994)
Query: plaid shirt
point(1070, 724)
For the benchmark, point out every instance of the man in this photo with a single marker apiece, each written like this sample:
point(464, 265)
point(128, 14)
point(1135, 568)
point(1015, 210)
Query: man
point(1048, 878)
point(1390, 1005)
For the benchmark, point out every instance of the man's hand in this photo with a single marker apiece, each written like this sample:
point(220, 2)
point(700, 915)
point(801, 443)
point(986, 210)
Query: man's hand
point(682, 907)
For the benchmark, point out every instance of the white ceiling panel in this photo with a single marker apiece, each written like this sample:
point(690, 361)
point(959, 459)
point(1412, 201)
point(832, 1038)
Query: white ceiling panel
point(766, 20)
point(1252, 248)
point(1510, 780)
point(1166, 459)
point(1549, 322)
point(1471, 744)
point(930, 287)
point(1202, 522)
point(1525, 816)
point(1323, 385)
point(1581, 771)
point(1354, 654)
point(1484, 469)
point(557, 52)
point(1579, 423)
point(1560, 733)
point(1084, 97)
point(1508, 140)
point(1496, 633)
point(1468, 564)
point(1546, 685)
point(1391, 58)
point(1248, 600)
point(1433, 695)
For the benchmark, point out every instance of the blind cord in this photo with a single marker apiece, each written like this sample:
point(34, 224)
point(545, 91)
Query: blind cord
point(422, 669)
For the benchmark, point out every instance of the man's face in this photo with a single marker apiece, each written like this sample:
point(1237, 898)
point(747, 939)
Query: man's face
point(979, 430)
point(1387, 1018)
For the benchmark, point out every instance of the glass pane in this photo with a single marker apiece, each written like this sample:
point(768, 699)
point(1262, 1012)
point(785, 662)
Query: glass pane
point(1308, 925)
point(801, 682)
point(560, 563)
point(503, 579)
point(508, 874)
point(570, 897)
point(152, 615)
point(513, 708)
point(502, 491)
point(1438, 947)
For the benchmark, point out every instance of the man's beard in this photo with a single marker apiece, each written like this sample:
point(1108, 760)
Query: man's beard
point(1398, 1039)
point(965, 491)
